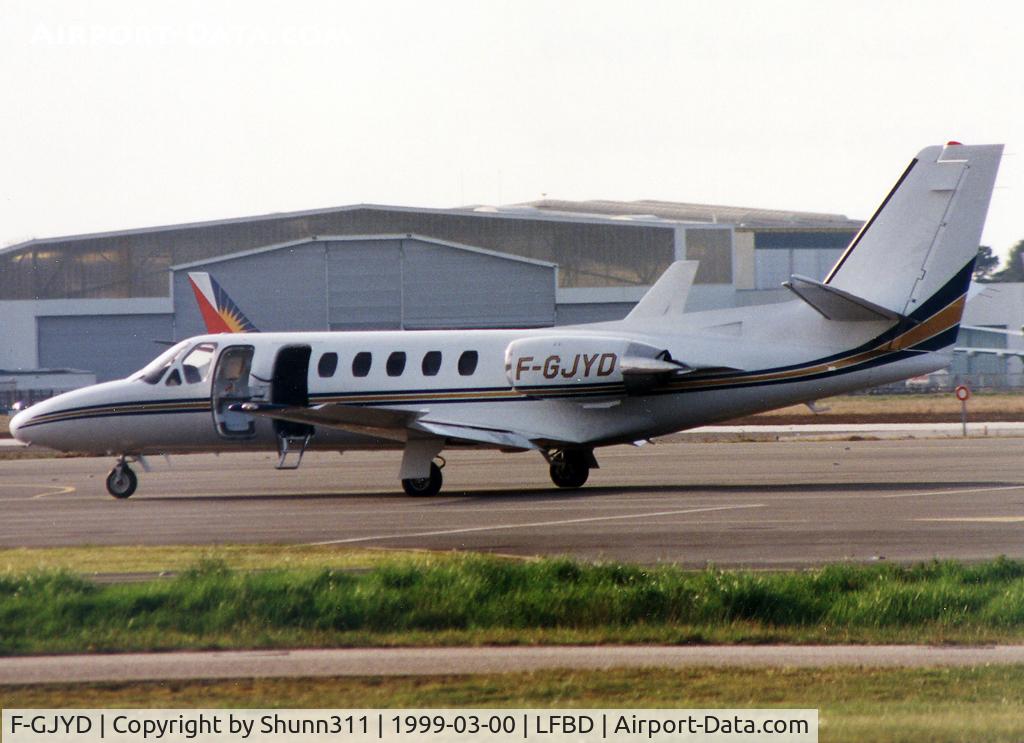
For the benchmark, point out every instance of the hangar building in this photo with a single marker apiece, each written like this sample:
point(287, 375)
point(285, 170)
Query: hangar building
point(97, 302)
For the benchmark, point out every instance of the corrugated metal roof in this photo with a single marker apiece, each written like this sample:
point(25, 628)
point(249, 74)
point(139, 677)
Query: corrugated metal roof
point(481, 211)
point(650, 212)
point(700, 213)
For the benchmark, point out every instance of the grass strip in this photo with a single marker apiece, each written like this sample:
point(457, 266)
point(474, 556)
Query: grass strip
point(482, 599)
point(880, 705)
point(175, 558)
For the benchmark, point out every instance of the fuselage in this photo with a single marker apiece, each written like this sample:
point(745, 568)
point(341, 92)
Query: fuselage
point(558, 386)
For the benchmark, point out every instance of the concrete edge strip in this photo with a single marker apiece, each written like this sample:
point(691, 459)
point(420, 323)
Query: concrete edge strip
point(133, 667)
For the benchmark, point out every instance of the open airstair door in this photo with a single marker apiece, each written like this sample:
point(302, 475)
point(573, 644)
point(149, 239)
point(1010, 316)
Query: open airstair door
point(231, 387)
point(290, 386)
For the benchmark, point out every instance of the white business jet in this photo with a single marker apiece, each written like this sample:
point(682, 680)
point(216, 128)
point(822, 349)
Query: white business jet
point(888, 310)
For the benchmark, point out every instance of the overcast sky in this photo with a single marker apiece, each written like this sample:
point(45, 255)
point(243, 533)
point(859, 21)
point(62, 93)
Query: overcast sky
point(118, 114)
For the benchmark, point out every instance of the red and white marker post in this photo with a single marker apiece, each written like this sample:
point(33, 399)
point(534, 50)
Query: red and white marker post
point(963, 394)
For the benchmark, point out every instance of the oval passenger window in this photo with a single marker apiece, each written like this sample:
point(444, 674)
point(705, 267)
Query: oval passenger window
point(431, 363)
point(361, 364)
point(396, 364)
point(467, 363)
point(328, 365)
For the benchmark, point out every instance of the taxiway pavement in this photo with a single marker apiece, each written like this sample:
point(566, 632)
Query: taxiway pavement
point(765, 504)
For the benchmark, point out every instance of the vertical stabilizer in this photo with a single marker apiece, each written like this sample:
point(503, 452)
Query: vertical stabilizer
point(921, 242)
point(219, 312)
point(667, 297)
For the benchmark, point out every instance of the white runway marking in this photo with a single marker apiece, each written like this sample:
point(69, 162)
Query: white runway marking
point(533, 525)
point(979, 519)
point(964, 491)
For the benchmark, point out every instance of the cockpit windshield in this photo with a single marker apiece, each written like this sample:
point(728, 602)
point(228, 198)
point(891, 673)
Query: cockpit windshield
point(154, 370)
point(194, 364)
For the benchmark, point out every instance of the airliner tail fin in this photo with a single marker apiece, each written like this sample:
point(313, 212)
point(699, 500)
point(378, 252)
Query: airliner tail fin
point(219, 311)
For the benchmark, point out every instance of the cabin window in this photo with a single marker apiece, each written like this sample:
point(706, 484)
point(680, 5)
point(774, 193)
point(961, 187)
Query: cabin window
point(396, 364)
point(197, 363)
point(467, 362)
point(361, 364)
point(327, 365)
point(173, 379)
point(431, 363)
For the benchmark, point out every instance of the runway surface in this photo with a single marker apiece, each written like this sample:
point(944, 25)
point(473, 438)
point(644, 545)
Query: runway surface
point(775, 504)
point(460, 661)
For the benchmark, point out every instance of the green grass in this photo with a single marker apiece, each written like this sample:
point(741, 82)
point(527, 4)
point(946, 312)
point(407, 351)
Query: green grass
point(479, 599)
point(174, 558)
point(878, 705)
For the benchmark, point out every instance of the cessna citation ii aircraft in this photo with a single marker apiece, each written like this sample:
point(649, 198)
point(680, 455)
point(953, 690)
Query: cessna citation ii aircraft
point(888, 310)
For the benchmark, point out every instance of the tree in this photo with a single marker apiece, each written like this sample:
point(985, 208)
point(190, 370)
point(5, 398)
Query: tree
point(1014, 270)
point(987, 263)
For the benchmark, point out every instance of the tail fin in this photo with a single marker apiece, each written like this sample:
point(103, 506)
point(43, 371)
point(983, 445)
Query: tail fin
point(668, 296)
point(219, 312)
point(915, 255)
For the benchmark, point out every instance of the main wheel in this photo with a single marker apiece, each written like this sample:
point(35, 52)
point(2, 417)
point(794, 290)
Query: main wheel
point(424, 486)
point(121, 482)
point(570, 469)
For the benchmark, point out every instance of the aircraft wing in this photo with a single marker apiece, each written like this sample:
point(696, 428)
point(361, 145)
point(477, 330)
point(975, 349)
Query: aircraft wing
point(476, 434)
point(395, 425)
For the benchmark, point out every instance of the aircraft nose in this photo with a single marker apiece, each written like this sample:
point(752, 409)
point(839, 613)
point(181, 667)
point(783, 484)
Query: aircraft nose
point(18, 423)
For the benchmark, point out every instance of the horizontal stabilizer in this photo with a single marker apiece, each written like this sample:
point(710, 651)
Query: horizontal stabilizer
point(836, 304)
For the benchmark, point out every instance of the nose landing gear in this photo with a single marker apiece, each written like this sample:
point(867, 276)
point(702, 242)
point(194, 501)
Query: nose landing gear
point(122, 480)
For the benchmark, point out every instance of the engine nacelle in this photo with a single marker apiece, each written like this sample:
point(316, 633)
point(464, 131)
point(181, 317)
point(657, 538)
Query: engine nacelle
point(572, 360)
point(568, 360)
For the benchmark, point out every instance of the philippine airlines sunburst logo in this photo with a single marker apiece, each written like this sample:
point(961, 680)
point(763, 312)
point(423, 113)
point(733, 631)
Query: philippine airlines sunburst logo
point(219, 312)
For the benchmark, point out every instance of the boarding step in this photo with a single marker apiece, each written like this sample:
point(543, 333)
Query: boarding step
point(294, 447)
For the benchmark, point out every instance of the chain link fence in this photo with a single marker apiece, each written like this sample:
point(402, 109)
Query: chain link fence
point(947, 382)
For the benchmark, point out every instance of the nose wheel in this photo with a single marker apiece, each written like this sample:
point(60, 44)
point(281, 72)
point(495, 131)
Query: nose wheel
point(122, 481)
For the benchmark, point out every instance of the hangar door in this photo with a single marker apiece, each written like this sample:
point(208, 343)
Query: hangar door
point(111, 346)
point(416, 284)
point(364, 285)
point(445, 287)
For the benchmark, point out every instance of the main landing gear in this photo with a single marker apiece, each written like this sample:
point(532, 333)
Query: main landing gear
point(122, 481)
point(425, 487)
point(570, 468)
